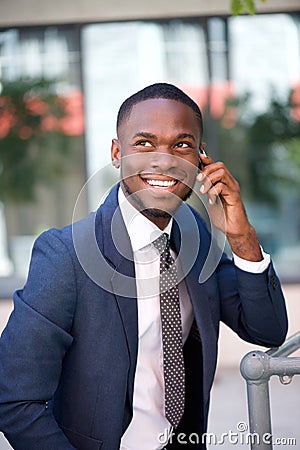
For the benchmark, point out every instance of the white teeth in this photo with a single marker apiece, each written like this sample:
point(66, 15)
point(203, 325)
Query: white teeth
point(161, 183)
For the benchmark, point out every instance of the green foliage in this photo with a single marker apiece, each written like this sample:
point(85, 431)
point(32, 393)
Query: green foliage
point(265, 149)
point(243, 6)
point(35, 138)
point(270, 138)
point(292, 147)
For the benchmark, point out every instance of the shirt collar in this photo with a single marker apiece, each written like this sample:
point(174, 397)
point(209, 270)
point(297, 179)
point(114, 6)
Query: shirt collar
point(140, 229)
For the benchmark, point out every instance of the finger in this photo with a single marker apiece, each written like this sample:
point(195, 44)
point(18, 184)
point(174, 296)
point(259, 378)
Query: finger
point(212, 179)
point(208, 165)
point(214, 193)
point(215, 166)
point(228, 196)
point(215, 173)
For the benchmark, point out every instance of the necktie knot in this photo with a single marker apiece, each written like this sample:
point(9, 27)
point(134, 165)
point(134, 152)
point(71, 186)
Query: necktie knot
point(162, 243)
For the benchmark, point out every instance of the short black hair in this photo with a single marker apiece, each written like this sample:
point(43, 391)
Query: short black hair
point(157, 90)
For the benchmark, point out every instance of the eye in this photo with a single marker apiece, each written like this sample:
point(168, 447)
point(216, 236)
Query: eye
point(144, 144)
point(184, 145)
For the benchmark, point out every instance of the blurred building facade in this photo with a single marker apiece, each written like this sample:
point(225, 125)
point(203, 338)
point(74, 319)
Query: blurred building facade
point(244, 72)
point(68, 65)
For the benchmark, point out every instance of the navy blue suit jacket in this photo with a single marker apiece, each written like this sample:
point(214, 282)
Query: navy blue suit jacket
point(68, 354)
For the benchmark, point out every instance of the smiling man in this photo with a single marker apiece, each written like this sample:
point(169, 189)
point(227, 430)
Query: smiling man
point(165, 135)
point(112, 343)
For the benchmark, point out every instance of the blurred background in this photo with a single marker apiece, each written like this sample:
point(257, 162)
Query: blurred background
point(65, 68)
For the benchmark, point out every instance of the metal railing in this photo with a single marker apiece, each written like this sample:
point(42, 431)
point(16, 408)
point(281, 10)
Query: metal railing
point(257, 367)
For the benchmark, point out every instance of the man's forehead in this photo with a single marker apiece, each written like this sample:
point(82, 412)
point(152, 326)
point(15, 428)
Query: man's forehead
point(161, 109)
point(160, 102)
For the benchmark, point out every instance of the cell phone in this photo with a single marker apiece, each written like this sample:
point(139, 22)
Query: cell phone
point(203, 152)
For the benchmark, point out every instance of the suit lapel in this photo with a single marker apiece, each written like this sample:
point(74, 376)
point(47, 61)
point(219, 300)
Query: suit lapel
point(196, 248)
point(117, 250)
point(186, 239)
point(192, 246)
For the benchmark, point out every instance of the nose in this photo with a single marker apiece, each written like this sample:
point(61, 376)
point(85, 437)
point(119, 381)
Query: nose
point(163, 160)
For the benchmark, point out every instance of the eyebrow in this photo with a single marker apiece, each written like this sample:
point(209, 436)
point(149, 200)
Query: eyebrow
point(144, 134)
point(186, 135)
point(147, 135)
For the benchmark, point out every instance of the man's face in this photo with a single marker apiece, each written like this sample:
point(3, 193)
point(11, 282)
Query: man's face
point(157, 149)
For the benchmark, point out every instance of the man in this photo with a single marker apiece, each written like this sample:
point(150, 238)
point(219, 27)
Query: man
point(82, 359)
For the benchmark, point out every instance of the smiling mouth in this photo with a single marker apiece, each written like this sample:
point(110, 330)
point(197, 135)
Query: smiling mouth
point(159, 183)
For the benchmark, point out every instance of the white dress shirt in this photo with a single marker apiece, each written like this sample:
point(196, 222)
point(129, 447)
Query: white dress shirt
point(149, 422)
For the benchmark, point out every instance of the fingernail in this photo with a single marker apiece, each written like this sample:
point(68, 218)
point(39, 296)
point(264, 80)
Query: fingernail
point(200, 176)
point(202, 189)
point(210, 201)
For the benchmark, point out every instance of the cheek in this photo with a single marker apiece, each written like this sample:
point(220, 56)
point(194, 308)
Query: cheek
point(189, 160)
point(129, 174)
point(190, 166)
point(132, 165)
point(128, 170)
point(194, 160)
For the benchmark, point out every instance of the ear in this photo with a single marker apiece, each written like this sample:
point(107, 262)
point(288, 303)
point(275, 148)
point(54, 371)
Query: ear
point(116, 153)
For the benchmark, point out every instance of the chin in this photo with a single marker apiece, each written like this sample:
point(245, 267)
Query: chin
point(156, 213)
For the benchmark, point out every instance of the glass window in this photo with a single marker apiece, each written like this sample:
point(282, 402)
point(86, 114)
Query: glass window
point(241, 71)
point(261, 129)
point(113, 68)
point(42, 162)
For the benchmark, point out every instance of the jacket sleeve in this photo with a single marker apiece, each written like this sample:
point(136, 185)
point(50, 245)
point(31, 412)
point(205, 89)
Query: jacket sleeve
point(253, 305)
point(32, 348)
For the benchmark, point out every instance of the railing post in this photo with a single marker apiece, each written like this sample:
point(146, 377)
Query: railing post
point(255, 370)
point(257, 367)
